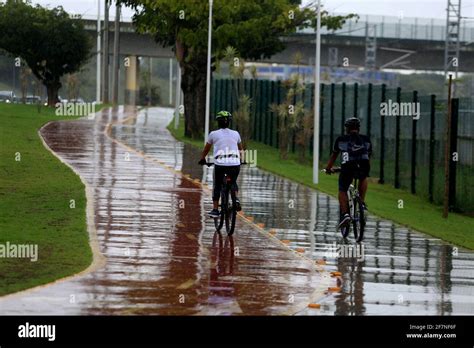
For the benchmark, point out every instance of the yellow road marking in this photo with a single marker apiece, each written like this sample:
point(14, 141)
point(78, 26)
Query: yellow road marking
point(190, 236)
point(186, 285)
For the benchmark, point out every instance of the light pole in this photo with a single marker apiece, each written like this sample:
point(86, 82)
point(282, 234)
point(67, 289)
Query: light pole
point(316, 98)
point(208, 81)
point(99, 38)
point(116, 63)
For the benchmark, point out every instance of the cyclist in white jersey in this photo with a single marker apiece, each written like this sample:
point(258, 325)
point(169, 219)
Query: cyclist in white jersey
point(227, 158)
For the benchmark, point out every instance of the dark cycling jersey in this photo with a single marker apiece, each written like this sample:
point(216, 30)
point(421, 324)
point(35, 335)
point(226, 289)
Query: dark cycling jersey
point(355, 150)
point(353, 147)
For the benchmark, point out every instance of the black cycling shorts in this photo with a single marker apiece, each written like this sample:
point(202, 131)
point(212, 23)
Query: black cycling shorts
point(351, 170)
point(219, 172)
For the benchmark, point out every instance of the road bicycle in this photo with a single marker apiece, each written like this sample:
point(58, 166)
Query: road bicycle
point(228, 212)
point(356, 210)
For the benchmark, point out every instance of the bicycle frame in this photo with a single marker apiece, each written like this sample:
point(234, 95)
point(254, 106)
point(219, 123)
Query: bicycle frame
point(228, 211)
point(356, 210)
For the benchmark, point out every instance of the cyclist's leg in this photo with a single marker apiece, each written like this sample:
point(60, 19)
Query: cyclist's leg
point(233, 172)
point(345, 179)
point(363, 182)
point(219, 172)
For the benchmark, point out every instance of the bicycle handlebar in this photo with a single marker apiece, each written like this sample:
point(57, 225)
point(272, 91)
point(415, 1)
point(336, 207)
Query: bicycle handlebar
point(209, 164)
point(333, 170)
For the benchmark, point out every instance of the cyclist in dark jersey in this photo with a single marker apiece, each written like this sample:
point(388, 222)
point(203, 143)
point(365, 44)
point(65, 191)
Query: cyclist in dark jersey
point(355, 150)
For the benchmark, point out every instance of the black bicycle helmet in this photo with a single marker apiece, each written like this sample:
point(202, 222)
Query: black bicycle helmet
point(352, 123)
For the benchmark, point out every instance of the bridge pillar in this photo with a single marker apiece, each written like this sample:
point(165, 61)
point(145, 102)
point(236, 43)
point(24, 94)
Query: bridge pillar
point(131, 81)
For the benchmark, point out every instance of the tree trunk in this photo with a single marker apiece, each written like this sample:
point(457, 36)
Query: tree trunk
point(194, 90)
point(52, 88)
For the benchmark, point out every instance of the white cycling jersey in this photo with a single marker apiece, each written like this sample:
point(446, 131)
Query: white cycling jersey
point(226, 150)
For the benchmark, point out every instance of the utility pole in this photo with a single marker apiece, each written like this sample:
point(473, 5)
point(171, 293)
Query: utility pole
point(453, 32)
point(116, 64)
point(370, 46)
point(105, 55)
point(447, 154)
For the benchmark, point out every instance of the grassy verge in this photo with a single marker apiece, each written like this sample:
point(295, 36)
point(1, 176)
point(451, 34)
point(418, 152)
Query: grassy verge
point(35, 195)
point(383, 200)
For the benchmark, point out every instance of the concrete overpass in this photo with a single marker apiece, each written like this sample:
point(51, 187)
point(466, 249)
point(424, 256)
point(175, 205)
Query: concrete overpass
point(422, 44)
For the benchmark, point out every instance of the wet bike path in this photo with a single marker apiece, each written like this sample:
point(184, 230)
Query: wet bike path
point(162, 256)
point(401, 271)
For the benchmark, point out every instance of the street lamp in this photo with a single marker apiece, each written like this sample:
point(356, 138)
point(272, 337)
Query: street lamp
point(316, 98)
point(208, 83)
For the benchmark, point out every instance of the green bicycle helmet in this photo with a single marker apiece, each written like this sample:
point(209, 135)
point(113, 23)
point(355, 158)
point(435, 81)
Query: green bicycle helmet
point(223, 115)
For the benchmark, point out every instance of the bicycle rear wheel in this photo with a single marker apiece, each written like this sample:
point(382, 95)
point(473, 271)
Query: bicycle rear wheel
point(231, 215)
point(358, 221)
point(219, 222)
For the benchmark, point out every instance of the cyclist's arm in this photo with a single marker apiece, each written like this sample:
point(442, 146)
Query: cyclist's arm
point(242, 152)
point(332, 159)
point(205, 151)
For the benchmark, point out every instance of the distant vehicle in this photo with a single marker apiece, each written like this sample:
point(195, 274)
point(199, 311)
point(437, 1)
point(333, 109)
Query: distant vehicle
point(33, 99)
point(7, 97)
point(77, 101)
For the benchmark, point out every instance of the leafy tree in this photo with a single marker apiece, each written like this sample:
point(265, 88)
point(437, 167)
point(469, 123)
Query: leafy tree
point(49, 41)
point(252, 27)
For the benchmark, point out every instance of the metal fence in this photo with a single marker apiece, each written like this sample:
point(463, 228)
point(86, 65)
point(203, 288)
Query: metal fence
point(408, 154)
point(399, 27)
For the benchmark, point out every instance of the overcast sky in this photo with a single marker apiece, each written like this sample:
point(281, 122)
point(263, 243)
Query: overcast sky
point(406, 8)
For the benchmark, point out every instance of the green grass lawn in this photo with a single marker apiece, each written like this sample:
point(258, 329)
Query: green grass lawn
point(34, 203)
point(417, 213)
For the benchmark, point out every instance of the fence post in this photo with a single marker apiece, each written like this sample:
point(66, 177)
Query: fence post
point(321, 118)
point(217, 94)
point(213, 98)
point(343, 108)
point(454, 148)
point(432, 145)
point(382, 137)
point(369, 110)
point(277, 119)
point(267, 113)
point(263, 124)
point(272, 115)
point(413, 147)
point(293, 135)
point(254, 108)
point(231, 95)
point(356, 99)
point(225, 85)
point(331, 117)
point(397, 142)
point(259, 118)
